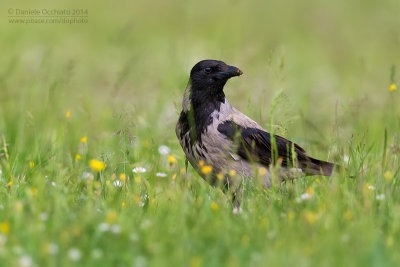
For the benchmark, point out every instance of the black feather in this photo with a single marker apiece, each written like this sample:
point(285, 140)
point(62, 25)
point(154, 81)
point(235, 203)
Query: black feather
point(202, 111)
point(186, 126)
point(207, 80)
point(256, 145)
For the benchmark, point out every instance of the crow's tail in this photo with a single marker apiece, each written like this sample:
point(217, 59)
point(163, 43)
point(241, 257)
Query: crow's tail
point(319, 167)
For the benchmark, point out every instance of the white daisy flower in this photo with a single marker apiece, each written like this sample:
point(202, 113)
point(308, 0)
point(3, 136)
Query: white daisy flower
point(380, 197)
point(74, 254)
point(161, 174)
point(371, 187)
point(117, 183)
point(43, 216)
point(25, 261)
point(104, 227)
point(87, 175)
point(139, 170)
point(164, 150)
point(305, 196)
point(115, 229)
point(237, 210)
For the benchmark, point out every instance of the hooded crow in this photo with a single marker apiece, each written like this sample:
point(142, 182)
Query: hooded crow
point(213, 133)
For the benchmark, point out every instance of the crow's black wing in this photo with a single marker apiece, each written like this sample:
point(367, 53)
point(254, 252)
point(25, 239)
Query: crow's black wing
point(255, 145)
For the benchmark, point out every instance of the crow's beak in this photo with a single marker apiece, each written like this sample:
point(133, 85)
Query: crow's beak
point(229, 73)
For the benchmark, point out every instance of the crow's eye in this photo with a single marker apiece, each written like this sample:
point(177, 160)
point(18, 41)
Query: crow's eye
point(207, 70)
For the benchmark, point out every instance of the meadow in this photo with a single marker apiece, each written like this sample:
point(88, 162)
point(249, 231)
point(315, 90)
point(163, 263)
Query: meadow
point(92, 174)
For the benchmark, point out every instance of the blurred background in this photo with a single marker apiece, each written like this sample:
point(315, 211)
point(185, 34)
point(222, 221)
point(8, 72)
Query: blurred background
point(322, 73)
point(332, 62)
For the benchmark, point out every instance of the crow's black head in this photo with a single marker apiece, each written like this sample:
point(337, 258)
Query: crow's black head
point(208, 78)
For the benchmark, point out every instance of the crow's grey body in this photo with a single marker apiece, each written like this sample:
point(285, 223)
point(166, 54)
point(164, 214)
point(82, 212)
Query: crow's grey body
point(216, 148)
point(214, 133)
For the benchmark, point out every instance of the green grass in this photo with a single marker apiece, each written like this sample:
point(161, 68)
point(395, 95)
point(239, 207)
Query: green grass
point(316, 72)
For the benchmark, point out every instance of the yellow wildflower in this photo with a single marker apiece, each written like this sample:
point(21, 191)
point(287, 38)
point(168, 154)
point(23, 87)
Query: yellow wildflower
point(77, 157)
point(76, 231)
point(9, 184)
point(19, 206)
point(174, 176)
point(183, 170)
point(245, 239)
point(4, 228)
point(389, 241)
point(392, 87)
point(262, 171)
point(146, 143)
point(368, 188)
point(201, 163)
point(206, 169)
point(214, 206)
point(33, 191)
point(31, 164)
point(171, 159)
point(264, 222)
point(68, 114)
point(108, 182)
point(310, 191)
point(367, 204)
point(84, 139)
point(97, 184)
point(310, 216)
point(64, 236)
point(138, 179)
point(348, 215)
point(97, 165)
point(308, 250)
point(195, 262)
point(111, 217)
point(136, 198)
point(232, 172)
point(388, 176)
point(49, 248)
point(122, 177)
point(220, 176)
point(123, 204)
